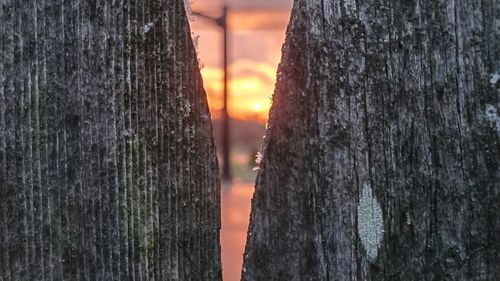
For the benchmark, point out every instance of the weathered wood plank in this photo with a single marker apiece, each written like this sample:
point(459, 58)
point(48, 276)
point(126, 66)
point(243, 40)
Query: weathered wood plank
point(381, 161)
point(107, 164)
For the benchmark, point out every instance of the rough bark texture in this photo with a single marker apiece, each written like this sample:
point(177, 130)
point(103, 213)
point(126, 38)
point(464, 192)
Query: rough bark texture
point(381, 160)
point(107, 165)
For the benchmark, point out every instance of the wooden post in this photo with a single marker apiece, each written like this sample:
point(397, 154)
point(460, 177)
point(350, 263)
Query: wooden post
point(108, 169)
point(382, 159)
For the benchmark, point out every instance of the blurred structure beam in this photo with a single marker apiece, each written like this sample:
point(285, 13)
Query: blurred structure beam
point(226, 143)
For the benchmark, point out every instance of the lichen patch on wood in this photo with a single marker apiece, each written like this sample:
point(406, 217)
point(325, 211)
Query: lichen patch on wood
point(370, 222)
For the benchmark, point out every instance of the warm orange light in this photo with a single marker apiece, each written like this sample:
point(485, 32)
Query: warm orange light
point(259, 19)
point(257, 107)
point(212, 78)
point(255, 41)
point(250, 86)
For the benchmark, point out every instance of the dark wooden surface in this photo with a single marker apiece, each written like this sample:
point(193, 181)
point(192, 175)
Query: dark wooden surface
point(381, 161)
point(107, 165)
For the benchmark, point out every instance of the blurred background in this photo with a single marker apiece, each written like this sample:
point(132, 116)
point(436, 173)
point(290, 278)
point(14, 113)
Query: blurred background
point(240, 40)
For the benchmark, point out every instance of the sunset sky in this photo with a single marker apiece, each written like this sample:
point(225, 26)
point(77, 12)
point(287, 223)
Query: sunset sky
point(256, 36)
point(257, 32)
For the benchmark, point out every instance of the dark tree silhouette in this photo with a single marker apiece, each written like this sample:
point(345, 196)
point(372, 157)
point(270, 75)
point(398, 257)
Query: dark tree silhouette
point(107, 165)
point(381, 160)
